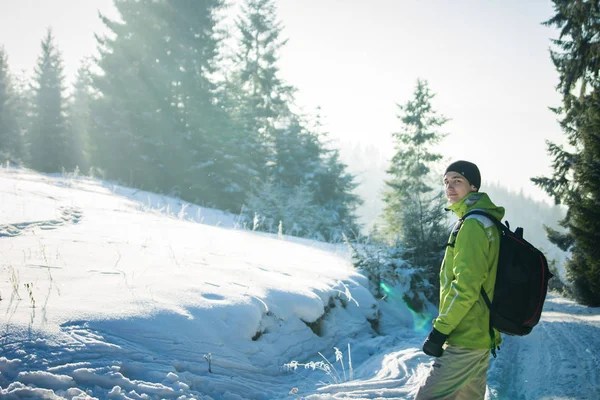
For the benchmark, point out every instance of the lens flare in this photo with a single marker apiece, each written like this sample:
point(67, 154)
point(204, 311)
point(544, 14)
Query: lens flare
point(385, 288)
point(420, 320)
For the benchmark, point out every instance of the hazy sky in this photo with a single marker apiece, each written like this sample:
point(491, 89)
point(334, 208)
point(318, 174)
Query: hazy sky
point(486, 60)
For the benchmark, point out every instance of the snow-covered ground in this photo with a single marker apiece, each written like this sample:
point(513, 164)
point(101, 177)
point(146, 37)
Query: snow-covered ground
point(113, 293)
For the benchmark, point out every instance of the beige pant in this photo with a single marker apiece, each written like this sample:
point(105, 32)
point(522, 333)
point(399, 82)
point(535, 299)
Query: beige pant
point(458, 374)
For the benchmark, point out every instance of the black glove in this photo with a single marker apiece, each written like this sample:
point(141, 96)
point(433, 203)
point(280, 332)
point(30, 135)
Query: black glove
point(434, 342)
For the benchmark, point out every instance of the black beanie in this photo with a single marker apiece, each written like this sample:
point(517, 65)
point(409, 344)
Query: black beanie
point(466, 169)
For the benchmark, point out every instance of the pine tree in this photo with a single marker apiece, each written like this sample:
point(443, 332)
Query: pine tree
point(414, 211)
point(158, 123)
point(133, 113)
point(262, 99)
point(334, 189)
point(50, 144)
point(288, 193)
point(11, 140)
point(308, 190)
point(213, 173)
point(575, 181)
point(271, 135)
point(24, 99)
point(302, 184)
point(80, 114)
point(336, 199)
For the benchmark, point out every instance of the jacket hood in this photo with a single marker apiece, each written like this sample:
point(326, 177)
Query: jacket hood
point(476, 200)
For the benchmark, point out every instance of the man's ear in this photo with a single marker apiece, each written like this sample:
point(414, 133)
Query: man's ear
point(474, 189)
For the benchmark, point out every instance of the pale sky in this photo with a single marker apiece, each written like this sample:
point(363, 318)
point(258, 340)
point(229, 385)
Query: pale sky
point(486, 60)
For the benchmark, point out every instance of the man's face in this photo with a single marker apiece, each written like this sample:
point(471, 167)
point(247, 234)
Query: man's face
point(457, 186)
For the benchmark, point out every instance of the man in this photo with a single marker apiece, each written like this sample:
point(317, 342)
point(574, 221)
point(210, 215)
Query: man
point(461, 338)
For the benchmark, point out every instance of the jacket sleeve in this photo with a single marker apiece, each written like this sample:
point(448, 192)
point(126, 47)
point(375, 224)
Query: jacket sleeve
point(470, 269)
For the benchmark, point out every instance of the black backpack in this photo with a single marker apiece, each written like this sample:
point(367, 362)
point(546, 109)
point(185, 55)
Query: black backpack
point(521, 282)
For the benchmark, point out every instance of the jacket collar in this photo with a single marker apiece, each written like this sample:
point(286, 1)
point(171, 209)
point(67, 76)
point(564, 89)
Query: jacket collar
point(477, 200)
point(461, 207)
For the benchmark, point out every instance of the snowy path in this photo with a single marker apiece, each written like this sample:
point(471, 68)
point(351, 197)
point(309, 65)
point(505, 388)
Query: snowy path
point(559, 360)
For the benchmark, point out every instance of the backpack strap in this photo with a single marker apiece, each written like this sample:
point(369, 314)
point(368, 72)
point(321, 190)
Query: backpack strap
point(502, 228)
point(454, 234)
point(491, 328)
point(458, 224)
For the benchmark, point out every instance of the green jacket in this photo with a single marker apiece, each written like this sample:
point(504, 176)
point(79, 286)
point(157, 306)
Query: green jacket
point(468, 265)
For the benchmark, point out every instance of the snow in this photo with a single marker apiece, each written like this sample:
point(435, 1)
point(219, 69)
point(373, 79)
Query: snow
point(113, 293)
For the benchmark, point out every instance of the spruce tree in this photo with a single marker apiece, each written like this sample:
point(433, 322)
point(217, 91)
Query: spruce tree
point(302, 184)
point(288, 192)
point(49, 139)
point(24, 96)
point(575, 181)
point(303, 164)
point(80, 114)
point(158, 124)
point(334, 189)
point(11, 140)
point(272, 135)
point(262, 103)
point(336, 199)
point(218, 159)
point(414, 209)
point(133, 113)
point(308, 192)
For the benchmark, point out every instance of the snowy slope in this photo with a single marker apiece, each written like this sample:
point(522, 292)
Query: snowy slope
point(112, 293)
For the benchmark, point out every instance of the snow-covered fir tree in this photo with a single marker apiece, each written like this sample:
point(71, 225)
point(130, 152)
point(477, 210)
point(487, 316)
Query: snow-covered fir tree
point(414, 205)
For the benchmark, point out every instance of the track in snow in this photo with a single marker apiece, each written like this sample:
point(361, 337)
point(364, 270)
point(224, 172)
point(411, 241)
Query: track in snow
point(560, 359)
